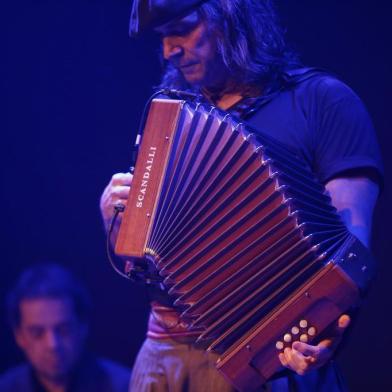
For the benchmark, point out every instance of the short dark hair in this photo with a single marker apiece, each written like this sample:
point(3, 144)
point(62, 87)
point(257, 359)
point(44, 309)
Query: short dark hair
point(47, 280)
point(249, 40)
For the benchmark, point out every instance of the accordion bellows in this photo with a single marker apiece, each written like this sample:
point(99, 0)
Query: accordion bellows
point(246, 239)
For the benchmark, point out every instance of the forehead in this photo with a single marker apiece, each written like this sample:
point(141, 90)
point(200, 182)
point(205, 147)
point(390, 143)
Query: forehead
point(186, 23)
point(46, 311)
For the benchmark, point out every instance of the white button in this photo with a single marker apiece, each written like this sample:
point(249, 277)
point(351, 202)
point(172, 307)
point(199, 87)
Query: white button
point(303, 338)
point(287, 338)
point(279, 345)
point(295, 330)
point(303, 323)
point(312, 331)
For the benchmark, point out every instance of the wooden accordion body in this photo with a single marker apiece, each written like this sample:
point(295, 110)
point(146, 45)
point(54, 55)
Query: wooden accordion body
point(248, 243)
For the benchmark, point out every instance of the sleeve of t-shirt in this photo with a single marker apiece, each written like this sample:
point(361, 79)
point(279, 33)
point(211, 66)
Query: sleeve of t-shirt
point(345, 139)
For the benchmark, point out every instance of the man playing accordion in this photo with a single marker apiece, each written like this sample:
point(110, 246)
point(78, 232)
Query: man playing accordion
point(233, 53)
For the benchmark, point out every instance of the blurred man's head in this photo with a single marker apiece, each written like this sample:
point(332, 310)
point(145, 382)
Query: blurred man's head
point(47, 310)
point(190, 47)
point(217, 44)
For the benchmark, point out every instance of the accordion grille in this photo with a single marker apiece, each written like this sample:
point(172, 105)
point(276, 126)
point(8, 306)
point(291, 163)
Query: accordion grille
point(240, 225)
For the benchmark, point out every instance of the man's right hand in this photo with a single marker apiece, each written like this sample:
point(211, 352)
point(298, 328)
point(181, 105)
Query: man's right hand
point(115, 192)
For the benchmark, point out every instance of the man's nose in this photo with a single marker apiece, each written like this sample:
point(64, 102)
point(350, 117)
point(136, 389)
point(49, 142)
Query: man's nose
point(52, 340)
point(171, 48)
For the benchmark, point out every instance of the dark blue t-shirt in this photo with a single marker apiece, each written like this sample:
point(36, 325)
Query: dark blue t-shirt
point(324, 121)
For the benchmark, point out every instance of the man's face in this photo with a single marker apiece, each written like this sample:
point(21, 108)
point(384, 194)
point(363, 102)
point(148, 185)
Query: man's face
point(50, 335)
point(191, 48)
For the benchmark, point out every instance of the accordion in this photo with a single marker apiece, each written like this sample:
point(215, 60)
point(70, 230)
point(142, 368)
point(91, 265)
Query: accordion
point(245, 238)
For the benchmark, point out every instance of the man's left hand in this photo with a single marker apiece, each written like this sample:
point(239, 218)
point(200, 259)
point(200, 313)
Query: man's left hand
point(303, 358)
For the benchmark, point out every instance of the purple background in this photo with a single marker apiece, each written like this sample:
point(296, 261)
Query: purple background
point(74, 88)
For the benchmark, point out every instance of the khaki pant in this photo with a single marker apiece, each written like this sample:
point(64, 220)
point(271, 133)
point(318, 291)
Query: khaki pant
point(167, 365)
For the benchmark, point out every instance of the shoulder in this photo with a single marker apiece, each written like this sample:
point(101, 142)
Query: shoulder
point(16, 379)
point(327, 104)
point(113, 367)
point(320, 86)
point(116, 375)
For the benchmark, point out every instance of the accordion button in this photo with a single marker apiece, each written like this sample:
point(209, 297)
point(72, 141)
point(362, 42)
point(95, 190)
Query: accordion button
point(312, 331)
point(295, 330)
point(303, 323)
point(287, 338)
point(303, 338)
point(279, 345)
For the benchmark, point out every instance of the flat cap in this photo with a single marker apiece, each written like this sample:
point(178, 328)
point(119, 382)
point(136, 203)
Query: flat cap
point(148, 14)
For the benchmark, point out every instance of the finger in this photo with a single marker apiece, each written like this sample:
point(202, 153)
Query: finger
point(305, 349)
point(343, 322)
point(282, 359)
point(122, 179)
point(307, 356)
point(120, 192)
point(336, 334)
point(296, 361)
point(294, 358)
point(286, 358)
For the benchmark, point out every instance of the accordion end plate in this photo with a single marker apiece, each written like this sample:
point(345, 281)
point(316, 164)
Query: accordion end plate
point(254, 359)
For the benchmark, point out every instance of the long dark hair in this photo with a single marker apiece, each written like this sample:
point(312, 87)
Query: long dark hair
point(249, 40)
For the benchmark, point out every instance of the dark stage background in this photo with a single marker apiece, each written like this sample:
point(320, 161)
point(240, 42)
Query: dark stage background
point(74, 88)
